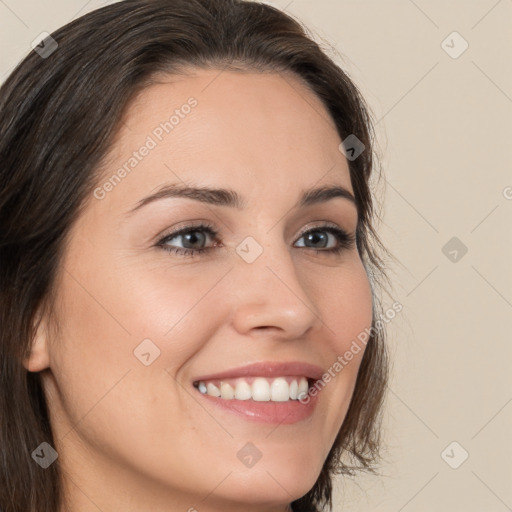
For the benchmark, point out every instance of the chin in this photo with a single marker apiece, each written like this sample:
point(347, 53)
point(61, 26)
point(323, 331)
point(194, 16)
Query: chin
point(269, 488)
point(276, 480)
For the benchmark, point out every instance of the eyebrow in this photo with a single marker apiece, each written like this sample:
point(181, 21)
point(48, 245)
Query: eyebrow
point(230, 198)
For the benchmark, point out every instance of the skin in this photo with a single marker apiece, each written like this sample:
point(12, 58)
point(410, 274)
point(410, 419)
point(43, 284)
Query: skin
point(132, 437)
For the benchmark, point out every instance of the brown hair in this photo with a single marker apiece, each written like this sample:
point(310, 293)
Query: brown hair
point(58, 118)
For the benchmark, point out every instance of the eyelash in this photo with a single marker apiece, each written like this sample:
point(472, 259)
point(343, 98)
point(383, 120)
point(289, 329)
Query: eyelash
point(345, 240)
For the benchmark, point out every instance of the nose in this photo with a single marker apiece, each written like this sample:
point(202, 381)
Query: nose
point(269, 296)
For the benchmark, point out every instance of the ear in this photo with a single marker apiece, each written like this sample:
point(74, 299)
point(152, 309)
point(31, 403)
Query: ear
point(39, 358)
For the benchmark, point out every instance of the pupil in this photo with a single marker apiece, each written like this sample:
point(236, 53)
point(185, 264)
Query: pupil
point(192, 237)
point(315, 237)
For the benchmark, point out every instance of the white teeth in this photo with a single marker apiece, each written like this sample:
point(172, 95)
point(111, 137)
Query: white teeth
point(261, 390)
point(226, 391)
point(243, 390)
point(279, 389)
point(294, 389)
point(211, 389)
point(303, 388)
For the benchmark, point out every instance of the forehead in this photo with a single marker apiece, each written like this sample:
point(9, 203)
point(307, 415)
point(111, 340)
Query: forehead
point(252, 131)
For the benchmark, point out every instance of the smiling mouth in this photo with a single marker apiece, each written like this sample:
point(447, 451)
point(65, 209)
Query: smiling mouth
point(257, 389)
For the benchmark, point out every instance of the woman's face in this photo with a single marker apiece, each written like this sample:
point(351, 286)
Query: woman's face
point(140, 323)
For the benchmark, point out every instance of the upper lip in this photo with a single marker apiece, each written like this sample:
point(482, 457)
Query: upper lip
point(267, 369)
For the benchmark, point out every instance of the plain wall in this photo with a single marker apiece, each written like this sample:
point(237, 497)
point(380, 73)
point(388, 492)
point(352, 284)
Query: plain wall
point(445, 132)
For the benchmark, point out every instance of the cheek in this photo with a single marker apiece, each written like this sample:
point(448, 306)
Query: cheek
point(117, 321)
point(173, 307)
point(347, 307)
point(347, 314)
point(102, 387)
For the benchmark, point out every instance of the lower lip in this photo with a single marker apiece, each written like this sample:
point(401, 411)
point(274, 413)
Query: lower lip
point(282, 413)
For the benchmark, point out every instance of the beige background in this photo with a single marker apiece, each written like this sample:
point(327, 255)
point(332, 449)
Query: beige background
point(445, 132)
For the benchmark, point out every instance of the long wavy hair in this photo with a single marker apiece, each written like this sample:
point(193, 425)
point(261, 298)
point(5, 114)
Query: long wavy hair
point(59, 114)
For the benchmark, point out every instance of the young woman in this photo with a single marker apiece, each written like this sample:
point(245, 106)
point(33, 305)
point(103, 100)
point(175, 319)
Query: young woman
point(188, 266)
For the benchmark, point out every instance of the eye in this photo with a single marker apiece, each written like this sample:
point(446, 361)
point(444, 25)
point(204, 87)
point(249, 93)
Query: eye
point(194, 240)
point(320, 237)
